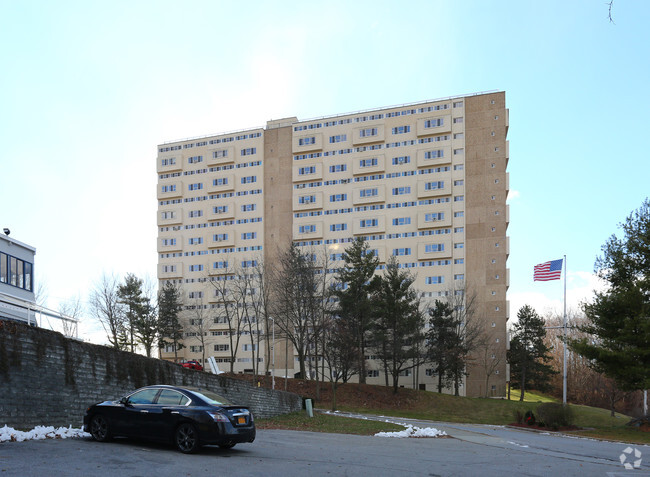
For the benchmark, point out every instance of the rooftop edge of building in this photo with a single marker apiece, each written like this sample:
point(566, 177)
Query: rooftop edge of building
point(289, 121)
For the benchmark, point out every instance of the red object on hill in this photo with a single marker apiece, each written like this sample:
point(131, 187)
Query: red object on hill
point(192, 365)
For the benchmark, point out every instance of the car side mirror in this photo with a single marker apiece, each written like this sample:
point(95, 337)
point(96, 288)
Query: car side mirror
point(125, 401)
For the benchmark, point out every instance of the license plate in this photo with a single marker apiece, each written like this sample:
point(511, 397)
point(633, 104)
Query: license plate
point(241, 420)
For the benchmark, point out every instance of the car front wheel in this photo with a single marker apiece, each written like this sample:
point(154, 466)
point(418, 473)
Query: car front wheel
point(99, 428)
point(186, 438)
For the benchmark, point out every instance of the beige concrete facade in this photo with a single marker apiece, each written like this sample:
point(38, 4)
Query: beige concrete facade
point(426, 182)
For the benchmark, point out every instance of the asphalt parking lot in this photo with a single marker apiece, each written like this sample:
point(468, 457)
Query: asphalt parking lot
point(472, 450)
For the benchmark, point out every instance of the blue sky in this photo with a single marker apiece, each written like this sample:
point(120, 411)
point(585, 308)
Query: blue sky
point(88, 89)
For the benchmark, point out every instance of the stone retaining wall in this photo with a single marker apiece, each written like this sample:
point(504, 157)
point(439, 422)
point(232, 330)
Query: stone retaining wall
point(48, 379)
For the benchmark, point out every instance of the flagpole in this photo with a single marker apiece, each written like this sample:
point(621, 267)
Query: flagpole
point(564, 333)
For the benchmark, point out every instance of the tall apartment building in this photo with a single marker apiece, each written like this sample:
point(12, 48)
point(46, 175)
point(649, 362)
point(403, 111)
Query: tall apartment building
point(425, 182)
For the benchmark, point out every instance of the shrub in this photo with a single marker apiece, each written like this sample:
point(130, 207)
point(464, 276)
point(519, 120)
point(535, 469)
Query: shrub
point(529, 418)
point(519, 417)
point(555, 415)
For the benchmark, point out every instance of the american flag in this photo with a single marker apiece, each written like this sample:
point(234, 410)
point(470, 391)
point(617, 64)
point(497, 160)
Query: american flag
point(548, 271)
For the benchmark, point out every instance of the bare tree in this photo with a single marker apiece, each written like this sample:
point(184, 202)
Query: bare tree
point(489, 355)
point(71, 308)
point(296, 304)
point(105, 307)
point(227, 310)
point(198, 319)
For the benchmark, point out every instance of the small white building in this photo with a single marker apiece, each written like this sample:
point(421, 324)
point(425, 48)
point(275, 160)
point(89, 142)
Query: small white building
point(17, 300)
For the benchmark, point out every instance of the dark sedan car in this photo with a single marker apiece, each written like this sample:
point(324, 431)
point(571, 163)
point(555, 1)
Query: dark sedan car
point(186, 417)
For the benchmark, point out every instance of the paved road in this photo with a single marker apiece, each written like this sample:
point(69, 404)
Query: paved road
point(473, 450)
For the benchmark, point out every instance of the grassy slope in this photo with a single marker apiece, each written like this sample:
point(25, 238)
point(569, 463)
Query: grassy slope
point(438, 407)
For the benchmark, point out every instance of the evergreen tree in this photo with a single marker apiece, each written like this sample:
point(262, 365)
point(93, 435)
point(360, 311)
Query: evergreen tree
point(396, 333)
point(528, 355)
point(354, 285)
point(441, 339)
point(130, 297)
point(620, 316)
point(169, 326)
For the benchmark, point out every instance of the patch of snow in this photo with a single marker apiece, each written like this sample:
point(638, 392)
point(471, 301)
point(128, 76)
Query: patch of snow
point(40, 432)
point(412, 431)
point(515, 444)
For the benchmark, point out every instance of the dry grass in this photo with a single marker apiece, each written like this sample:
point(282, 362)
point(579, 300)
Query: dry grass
point(425, 405)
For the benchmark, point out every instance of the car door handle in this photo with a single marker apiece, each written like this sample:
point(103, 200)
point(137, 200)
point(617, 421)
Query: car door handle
point(175, 412)
point(143, 410)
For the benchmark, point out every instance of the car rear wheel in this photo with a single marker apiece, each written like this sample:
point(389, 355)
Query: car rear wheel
point(186, 438)
point(99, 428)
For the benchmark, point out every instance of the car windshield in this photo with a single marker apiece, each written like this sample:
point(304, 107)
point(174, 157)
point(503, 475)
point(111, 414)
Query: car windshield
point(211, 398)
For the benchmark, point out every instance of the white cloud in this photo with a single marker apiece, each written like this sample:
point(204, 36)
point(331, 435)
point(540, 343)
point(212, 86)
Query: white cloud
point(550, 297)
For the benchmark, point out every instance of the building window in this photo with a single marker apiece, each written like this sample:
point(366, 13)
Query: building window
point(222, 264)
point(306, 199)
point(435, 280)
point(401, 251)
point(222, 347)
point(248, 263)
point(368, 223)
point(434, 216)
point(402, 190)
point(434, 185)
point(168, 162)
point(168, 188)
point(434, 154)
point(220, 181)
point(196, 294)
point(368, 162)
point(459, 261)
point(459, 198)
point(434, 123)
point(220, 154)
point(459, 276)
point(402, 221)
point(248, 235)
point(168, 242)
point(304, 141)
point(248, 151)
point(197, 186)
point(307, 229)
point(458, 120)
point(338, 197)
point(368, 132)
point(338, 168)
point(195, 240)
point(434, 247)
point(194, 159)
point(338, 138)
point(196, 268)
point(196, 349)
point(248, 207)
point(458, 104)
point(248, 179)
point(338, 227)
point(306, 170)
point(195, 213)
point(401, 129)
point(220, 237)
point(459, 214)
point(401, 160)
point(368, 192)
